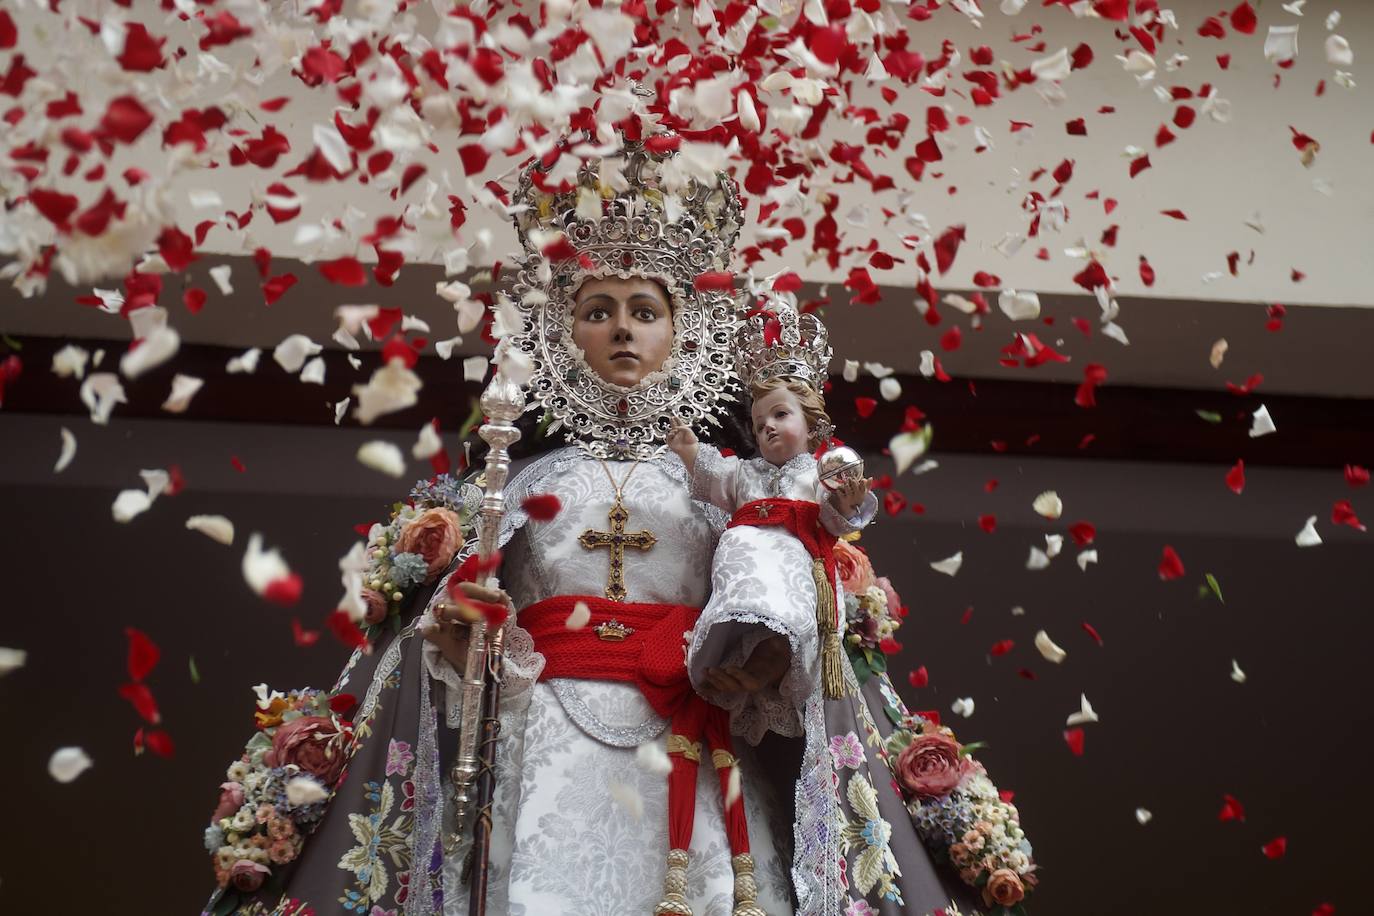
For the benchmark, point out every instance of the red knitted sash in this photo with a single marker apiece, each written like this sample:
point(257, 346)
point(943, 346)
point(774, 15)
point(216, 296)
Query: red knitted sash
point(645, 648)
point(644, 645)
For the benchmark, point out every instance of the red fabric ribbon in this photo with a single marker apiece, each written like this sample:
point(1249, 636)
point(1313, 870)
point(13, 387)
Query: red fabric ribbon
point(651, 657)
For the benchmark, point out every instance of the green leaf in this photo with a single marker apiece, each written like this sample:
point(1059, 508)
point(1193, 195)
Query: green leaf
point(968, 749)
point(13, 344)
point(1215, 587)
point(195, 672)
point(1211, 416)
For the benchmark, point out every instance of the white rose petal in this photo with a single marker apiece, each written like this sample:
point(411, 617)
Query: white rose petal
point(627, 798)
point(652, 758)
point(1143, 816)
point(391, 388)
point(100, 392)
point(962, 707)
point(1053, 544)
point(1019, 306)
point(878, 370)
point(332, 146)
point(1281, 43)
point(581, 615)
point(130, 504)
point(927, 367)
point(427, 444)
point(1048, 504)
point(382, 456)
point(1038, 559)
point(907, 447)
point(1052, 68)
point(1048, 649)
point(1261, 424)
point(184, 387)
point(11, 660)
point(246, 362)
point(262, 567)
point(850, 373)
point(67, 763)
point(1218, 353)
point(949, 565)
point(890, 389)
point(220, 274)
point(475, 368)
point(215, 527)
point(340, 409)
point(1237, 675)
point(70, 361)
point(1338, 53)
point(445, 347)
point(313, 373)
point(1308, 536)
point(1085, 714)
point(292, 352)
point(732, 787)
point(1086, 557)
point(302, 790)
point(68, 451)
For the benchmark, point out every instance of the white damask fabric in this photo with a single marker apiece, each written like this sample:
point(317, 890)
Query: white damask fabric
point(579, 827)
point(761, 585)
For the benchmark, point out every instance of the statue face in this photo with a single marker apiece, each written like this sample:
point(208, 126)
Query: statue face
point(779, 426)
point(624, 327)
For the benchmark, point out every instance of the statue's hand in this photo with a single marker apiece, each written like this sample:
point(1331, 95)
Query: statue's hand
point(765, 668)
point(449, 628)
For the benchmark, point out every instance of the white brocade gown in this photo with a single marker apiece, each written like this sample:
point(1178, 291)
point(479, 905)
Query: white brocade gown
point(567, 835)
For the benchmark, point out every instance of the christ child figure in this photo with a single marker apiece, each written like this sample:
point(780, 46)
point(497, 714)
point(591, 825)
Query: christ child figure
point(770, 630)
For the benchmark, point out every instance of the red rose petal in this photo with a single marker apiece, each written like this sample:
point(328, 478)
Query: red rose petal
point(1231, 809)
point(919, 677)
point(141, 698)
point(285, 591)
point(1073, 737)
point(194, 300)
point(988, 523)
point(1243, 19)
point(1276, 847)
point(142, 52)
point(714, 281)
point(143, 654)
point(1342, 513)
point(541, 507)
point(1356, 476)
point(1082, 533)
point(864, 407)
point(55, 206)
point(346, 271)
point(1170, 566)
point(1235, 478)
point(125, 119)
point(275, 287)
point(9, 34)
point(160, 743)
point(889, 646)
point(302, 637)
point(1091, 631)
point(1002, 647)
point(893, 502)
point(345, 630)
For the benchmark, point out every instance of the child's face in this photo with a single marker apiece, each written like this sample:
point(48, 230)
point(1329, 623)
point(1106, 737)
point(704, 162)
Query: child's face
point(779, 426)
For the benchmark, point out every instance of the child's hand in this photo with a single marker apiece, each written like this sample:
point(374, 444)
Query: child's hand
point(850, 494)
point(682, 440)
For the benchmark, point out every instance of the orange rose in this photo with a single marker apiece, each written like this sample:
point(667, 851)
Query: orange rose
point(856, 573)
point(1003, 888)
point(435, 535)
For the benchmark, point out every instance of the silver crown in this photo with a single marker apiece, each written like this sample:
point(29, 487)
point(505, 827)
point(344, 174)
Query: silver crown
point(635, 212)
point(776, 341)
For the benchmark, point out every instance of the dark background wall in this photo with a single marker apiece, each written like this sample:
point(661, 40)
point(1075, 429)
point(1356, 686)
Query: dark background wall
point(1176, 732)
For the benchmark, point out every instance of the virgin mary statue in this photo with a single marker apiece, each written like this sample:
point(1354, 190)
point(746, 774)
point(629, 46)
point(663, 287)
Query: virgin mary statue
point(618, 789)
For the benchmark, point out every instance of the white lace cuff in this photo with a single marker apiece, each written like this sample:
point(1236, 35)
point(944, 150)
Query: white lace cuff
point(443, 672)
point(840, 526)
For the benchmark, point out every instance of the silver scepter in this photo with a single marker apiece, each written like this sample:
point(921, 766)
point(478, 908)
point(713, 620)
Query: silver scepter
point(502, 403)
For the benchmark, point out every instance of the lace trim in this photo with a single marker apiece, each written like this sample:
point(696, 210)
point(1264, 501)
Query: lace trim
point(751, 715)
point(585, 719)
point(816, 868)
point(391, 660)
point(424, 836)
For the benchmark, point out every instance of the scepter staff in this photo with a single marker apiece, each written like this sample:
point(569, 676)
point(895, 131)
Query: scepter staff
point(473, 775)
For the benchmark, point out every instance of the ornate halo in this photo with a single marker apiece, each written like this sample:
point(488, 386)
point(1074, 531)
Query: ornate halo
point(633, 236)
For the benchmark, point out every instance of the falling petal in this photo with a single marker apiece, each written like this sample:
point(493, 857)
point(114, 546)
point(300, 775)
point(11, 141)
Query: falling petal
point(382, 456)
point(68, 451)
point(215, 527)
point(1048, 649)
point(67, 763)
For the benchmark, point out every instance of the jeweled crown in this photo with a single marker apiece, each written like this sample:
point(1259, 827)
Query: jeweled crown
point(777, 341)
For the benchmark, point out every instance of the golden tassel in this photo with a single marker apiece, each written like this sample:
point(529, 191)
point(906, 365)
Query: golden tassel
point(746, 888)
point(674, 901)
point(832, 656)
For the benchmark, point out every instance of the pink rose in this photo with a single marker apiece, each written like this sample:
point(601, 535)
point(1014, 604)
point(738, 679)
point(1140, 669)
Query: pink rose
point(434, 534)
point(315, 744)
point(247, 876)
point(230, 800)
point(856, 573)
point(1003, 888)
point(930, 766)
point(376, 607)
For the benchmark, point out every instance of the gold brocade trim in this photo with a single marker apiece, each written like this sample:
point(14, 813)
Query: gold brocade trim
point(723, 759)
point(679, 744)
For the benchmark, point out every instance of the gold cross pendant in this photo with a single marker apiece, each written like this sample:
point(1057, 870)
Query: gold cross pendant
point(616, 540)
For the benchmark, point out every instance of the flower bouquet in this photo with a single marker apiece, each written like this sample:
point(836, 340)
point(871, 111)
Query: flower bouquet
point(959, 813)
point(278, 790)
point(872, 609)
point(413, 548)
